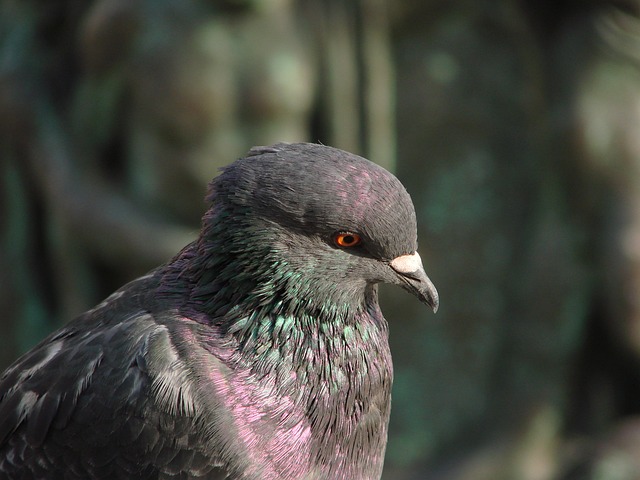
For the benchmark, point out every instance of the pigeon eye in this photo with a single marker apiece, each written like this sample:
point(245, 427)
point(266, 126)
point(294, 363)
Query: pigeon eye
point(347, 239)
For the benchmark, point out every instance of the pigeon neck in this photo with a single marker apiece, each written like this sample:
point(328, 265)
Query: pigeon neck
point(289, 335)
point(258, 286)
point(232, 276)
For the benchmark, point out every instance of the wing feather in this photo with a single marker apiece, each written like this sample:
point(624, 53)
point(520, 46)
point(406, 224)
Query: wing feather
point(82, 366)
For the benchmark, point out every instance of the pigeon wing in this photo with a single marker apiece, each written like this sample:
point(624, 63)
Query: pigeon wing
point(102, 399)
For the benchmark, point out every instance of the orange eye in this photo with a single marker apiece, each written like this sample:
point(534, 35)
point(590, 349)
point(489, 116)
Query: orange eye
point(347, 239)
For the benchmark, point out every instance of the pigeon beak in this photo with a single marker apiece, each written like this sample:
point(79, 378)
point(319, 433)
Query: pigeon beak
point(415, 280)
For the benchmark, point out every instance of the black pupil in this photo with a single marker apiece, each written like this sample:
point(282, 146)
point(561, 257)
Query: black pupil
point(348, 239)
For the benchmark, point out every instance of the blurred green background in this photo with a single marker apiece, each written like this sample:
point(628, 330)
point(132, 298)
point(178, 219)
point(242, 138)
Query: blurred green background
point(515, 126)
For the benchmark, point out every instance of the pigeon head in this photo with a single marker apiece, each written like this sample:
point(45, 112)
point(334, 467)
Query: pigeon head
point(313, 227)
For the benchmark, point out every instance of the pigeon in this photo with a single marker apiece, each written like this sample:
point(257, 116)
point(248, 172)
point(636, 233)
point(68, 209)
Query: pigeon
point(258, 352)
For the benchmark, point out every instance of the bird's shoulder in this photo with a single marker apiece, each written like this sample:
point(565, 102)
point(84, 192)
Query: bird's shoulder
point(112, 373)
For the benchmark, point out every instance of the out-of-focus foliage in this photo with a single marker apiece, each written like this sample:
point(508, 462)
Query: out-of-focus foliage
point(514, 125)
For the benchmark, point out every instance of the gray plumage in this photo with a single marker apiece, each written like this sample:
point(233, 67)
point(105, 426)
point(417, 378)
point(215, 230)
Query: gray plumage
point(258, 352)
